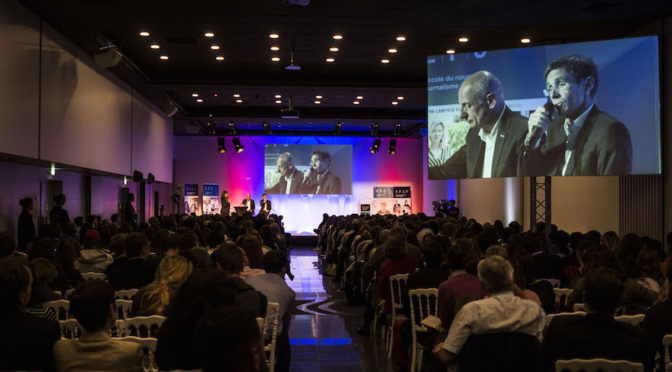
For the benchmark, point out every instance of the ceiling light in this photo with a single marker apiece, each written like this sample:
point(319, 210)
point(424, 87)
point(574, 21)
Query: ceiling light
point(463, 39)
point(221, 145)
point(450, 51)
point(338, 127)
point(209, 34)
point(333, 49)
point(395, 103)
point(273, 36)
point(401, 38)
point(355, 102)
point(318, 97)
point(194, 94)
point(384, 60)
point(219, 58)
point(275, 48)
point(338, 37)
point(318, 102)
point(376, 146)
point(155, 46)
point(393, 147)
point(330, 60)
point(275, 59)
point(199, 100)
point(360, 97)
point(400, 98)
point(374, 128)
point(164, 57)
point(232, 128)
point(216, 95)
point(214, 47)
point(239, 101)
point(392, 50)
point(525, 40)
point(236, 95)
point(397, 129)
point(236, 144)
point(278, 101)
point(278, 96)
point(267, 128)
point(144, 33)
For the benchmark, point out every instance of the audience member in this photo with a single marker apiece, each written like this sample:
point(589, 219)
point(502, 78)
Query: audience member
point(398, 262)
point(136, 271)
point(658, 320)
point(26, 227)
point(155, 297)
point(93, 258)
point(230, 262)
point(58, 214)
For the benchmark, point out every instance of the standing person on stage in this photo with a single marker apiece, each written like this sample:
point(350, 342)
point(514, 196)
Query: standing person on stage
point(264, 205)
point(58, 214)
point(318, 179)
point(248, 203)
point(226, 203)
point(290, 177)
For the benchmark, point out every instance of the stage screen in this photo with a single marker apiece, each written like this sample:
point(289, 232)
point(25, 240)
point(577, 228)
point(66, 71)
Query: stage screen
point(597, 102)
point(308, 169)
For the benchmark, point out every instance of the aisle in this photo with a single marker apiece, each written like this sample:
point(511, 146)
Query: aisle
point(323, 333)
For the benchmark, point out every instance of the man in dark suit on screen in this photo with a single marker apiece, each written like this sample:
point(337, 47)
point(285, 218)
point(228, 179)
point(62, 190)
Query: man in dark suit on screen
point(493, 141)
point(577, 138)
point(319, 179)
point(290, 177)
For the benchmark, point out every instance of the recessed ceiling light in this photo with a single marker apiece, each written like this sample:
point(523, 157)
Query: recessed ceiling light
point(216, 95)
point(318, 97)
point(384, 60)
point(463, 39)
point(338, 37)
point(395, 103)
point(273, 36)
point(278, 96)
point(199, 100)
point(144, 33)
point(155, 46)
point(318, 102)
point(330, 60)
point(392, 50)
point(278, 101)
point(236, 95)
point(164, 57)
point(239, 101)
point(333, 49)
point(450, 51)
point(275, 48)
point(401, 38)
point(209, 34)
point(400, 98)
point(214, 47)
point(360, 97)
point(194, 94)
point(219, 58)
point(355, 103)
point(525, 40)
point(275, 59)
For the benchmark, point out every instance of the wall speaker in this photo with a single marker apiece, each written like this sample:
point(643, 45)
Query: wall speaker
point(137, 176)
point(150, 178)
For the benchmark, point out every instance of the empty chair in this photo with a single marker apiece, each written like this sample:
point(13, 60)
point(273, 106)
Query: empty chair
point(142, 326)
point(123, 308)
point(125, 294)
point(598, 364)
point(60, 307)
point(397, 293)
point(427, 301)
point(634, 320)
point(70, 328)
point(561, 295)
point(271, 325)
point(94, 276)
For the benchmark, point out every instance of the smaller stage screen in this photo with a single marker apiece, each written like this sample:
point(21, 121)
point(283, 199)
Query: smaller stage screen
point(308, 169)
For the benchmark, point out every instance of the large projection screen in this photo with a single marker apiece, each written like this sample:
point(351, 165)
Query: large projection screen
point(308, 169)
point(599, 120)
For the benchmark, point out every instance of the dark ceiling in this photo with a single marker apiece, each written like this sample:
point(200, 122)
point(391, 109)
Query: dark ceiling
point(369, 28)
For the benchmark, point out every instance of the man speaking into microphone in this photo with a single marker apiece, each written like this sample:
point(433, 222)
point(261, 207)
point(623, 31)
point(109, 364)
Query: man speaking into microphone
point(318, 179)
point(571, 136)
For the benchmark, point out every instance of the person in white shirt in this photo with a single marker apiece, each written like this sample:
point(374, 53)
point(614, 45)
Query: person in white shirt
point(501, 311)
point(290, 177)
point(248, 203)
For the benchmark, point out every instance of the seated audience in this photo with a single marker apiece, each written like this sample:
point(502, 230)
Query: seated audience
point(155, 297)
point(501, 312)
point(44, 272)
point(135, 272)
point(597, 334)
point(230, 262)
point(92, 304)
point(398, 262)
point(658, 319)
point(27, 341)
point(93, 258)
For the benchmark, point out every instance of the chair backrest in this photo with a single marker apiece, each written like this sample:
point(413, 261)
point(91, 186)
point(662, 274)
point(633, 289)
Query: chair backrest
point(579, 306)
point(260, 324)
point(94, 276)
point(502, 352)
point(397, 292)
point(68, 292)
point(599, 364)
point(555, 283)
point(550, 317)
point(667, 343)
point(60, 307)
point(427, 301)
point(561, 295)
point(634, 320)
point(70, 328)
point(123, 308)
point(146, 342)
point(125, 294)
point(271, 330)
point(135, 326)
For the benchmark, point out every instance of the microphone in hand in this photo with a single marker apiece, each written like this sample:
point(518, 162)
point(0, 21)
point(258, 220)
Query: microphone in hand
point(537, 130)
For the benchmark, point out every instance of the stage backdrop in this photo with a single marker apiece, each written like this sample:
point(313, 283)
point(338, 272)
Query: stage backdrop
point(197, 161)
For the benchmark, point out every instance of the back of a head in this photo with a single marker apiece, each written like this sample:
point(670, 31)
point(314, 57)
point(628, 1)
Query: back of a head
point(14, 280)
point(187, 240)
point(603, 290)
point(398, 232)
point(432, 251)
point(460, 254)
point(135, 244)
point(230, 259)
point(496, 274)
point(395, 248)
point(236, 328)
point(497, 250)
point(90, 304)
point(7, 245)
point(252, 247)
point(173, 270)
point(43, 271)
point(275, 261)
point(43, 248)
point(59, 199)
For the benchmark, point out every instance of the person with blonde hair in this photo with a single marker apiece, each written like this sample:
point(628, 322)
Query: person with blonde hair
point(438, 150)
point(153, 299)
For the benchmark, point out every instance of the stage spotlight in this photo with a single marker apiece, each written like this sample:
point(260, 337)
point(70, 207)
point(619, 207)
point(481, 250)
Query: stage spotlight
point(237, 145)
point(221, 145)
point(393, 146)
point(374, 128)
point(338, 127)
point(397, 129)
point(376, 146)
point(210, 127)
point(232, 128)
point(267, 128)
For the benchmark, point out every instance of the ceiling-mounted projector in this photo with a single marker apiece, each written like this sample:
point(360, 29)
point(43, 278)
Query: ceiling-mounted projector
point(289, 112)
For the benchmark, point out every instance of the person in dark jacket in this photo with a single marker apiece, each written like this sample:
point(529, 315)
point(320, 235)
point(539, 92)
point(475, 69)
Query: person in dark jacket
point(26, 227)
point(58, 214)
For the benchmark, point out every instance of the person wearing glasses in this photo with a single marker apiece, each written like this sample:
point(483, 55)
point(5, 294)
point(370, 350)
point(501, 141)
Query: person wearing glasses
point(493, 141)
point(574, 137)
